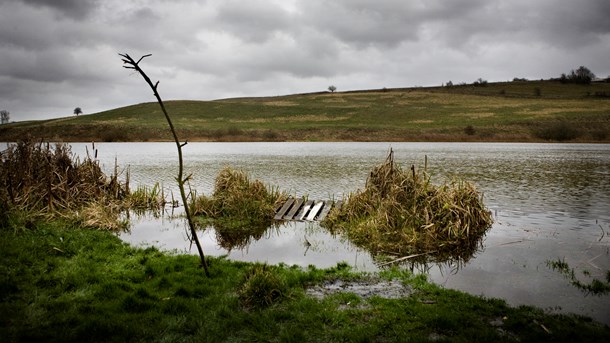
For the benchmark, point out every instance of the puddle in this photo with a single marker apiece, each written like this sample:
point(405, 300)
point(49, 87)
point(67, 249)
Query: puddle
point(364, 288)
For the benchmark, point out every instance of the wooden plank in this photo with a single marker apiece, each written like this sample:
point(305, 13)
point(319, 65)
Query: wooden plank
point(295, 208)
point(282, 211)
point(328, 204)
point(304, 210)
point(314, 210)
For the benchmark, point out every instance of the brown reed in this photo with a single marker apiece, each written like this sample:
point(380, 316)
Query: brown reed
point(47, 181)
point(238, 198)
point(401, 213)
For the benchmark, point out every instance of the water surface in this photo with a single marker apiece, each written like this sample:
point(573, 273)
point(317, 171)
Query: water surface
point(550, 201)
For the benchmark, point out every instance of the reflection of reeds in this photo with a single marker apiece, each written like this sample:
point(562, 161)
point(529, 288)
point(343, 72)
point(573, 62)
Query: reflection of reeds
point(240, 209)
point(232, 234)
point(401, 213)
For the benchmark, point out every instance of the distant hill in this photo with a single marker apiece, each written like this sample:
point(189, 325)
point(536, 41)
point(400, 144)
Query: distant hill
point(522, 111)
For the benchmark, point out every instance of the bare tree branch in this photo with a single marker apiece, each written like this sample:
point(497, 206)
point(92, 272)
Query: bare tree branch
point(132, 64)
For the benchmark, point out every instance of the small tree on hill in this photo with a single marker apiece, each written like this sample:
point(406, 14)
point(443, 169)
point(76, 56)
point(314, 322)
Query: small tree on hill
point(581, 75)
point(480, 82)
point(332, 88)
point(5, 116)
point(78, 111)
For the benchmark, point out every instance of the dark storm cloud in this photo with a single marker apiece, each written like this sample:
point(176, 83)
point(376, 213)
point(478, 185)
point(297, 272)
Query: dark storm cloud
point(76, 9)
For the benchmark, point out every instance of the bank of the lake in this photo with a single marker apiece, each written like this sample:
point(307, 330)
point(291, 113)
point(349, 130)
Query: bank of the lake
point(533, 111)
point(549, 202)
point(61, 283)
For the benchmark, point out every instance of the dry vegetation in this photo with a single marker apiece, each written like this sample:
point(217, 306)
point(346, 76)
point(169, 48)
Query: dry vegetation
point(240, 209)
point(236, 196)
point(41, 181)
point(401, 213)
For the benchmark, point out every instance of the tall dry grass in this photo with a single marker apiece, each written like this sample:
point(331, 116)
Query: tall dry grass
point(236, 196)
point(240, 209)
point(400, 212)
point(44, 181)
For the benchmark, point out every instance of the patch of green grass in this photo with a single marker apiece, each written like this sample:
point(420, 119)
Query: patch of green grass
point(594, 286)
point(503, 111)
point(63, 283)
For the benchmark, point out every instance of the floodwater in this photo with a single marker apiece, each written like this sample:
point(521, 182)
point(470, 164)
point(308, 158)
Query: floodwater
point(549, 202)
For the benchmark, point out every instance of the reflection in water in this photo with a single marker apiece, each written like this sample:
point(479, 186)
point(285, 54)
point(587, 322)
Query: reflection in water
point(238, 235)
point(548, 200)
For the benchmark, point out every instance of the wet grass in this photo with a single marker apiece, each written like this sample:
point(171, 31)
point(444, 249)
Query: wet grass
point(59, 282)
point(402, 213)
point(594, 286)
point(504, 111)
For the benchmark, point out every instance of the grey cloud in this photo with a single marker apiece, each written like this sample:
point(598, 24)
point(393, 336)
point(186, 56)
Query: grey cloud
point(75, 9)
point(571, 24)
point(380, 23)
point(251, 20)
point(562, 23)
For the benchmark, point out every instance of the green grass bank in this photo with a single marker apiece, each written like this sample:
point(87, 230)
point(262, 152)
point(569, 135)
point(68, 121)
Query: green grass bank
point(521, 111)
point(62, 283)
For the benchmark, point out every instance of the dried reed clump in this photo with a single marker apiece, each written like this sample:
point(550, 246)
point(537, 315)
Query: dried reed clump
point(238, 198)
point(400, 213)
point(47, 181)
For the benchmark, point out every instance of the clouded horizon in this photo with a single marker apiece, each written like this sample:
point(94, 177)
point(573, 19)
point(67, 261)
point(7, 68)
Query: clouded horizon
point(56, 55)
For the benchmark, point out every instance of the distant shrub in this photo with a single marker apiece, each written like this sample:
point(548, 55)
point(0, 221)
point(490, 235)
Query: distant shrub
point(537, 91)
point(599, 134)
point(115, 135)
point(234, 131)
point(449, 84)
point(469, 130)
point(220, 133)
point(516, 79)
point(582, 75)
point(601, 94)
point(559, 131)
point(480, 83)
point(270, 135)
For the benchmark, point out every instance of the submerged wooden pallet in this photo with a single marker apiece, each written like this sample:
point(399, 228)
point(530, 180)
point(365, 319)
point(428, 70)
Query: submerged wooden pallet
point(305, 210)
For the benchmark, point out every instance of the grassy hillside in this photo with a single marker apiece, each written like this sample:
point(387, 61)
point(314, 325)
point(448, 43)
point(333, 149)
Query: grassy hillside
point(507, 111)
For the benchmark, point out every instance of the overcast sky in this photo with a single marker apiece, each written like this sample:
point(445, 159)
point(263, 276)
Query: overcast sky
point(56, 55)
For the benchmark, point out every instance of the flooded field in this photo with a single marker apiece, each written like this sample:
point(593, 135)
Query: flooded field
point(549, 202)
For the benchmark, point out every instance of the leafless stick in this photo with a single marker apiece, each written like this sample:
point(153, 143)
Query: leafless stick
point(130, 63)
